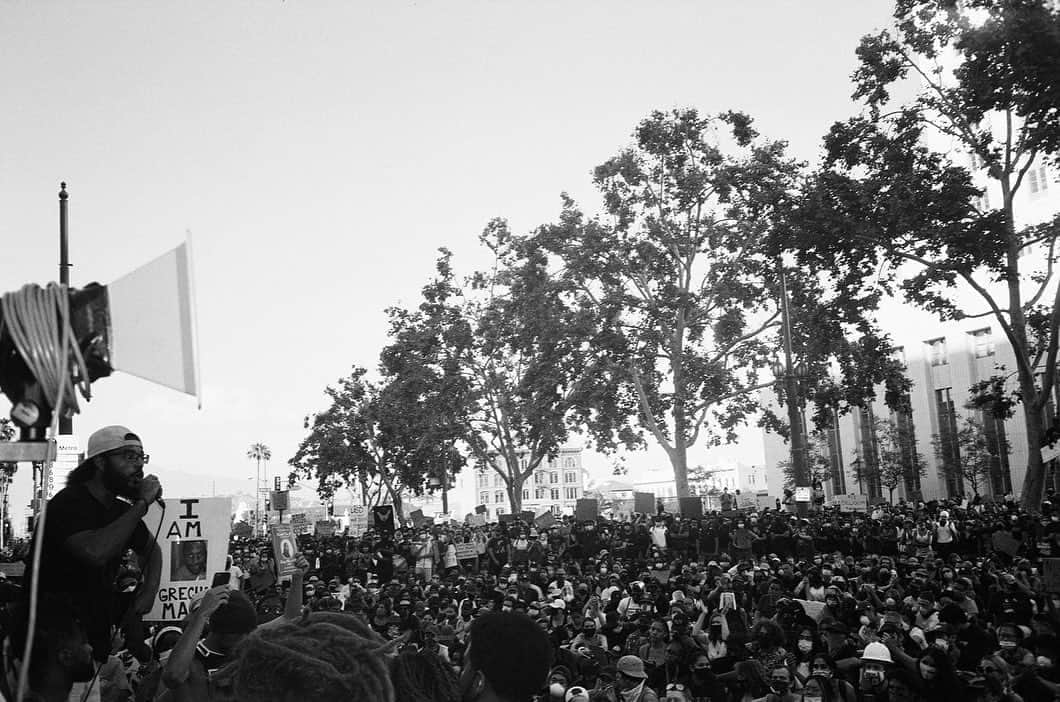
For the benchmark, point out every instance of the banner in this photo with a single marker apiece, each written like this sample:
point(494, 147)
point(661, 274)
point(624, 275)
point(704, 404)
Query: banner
point(299, 524)
point(284, 549)
point(358, 520)
point(324, 528)
point(587, 510)
point(691, 507)
point(644, 502)
point(802, 493)
point(193, 536)
point(465, 551)
point(851, 503)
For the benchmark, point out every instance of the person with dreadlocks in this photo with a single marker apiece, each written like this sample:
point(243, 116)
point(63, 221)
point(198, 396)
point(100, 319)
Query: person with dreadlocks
point(323, 657)
point(423, 677)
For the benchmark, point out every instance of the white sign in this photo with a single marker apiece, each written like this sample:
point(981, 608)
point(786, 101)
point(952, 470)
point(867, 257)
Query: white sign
point(851, 503)
point(193, 535)
point(802, 494)
point(67, 457)
point(359, 515)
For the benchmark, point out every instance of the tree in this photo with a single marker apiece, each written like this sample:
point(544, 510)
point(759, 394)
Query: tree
point(977, 454)
point(888, 212)
point(897, 460)
point(683, 270)
point(508, 354)
point(350, 443)
point(258, 453)
point(819, 464)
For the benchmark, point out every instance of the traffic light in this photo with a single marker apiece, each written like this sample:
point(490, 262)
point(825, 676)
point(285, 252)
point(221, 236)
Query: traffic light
point(267, 506)
point(276, 483)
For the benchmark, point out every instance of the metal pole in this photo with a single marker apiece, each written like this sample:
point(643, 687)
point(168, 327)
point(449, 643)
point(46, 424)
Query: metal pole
point(66, 424)
point(798, 447)
point(257, 502)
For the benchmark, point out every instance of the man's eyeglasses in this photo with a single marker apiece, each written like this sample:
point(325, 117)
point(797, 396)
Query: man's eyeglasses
point(131, 455)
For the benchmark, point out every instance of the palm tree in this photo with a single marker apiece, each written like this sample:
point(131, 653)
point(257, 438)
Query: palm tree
point(258, 452)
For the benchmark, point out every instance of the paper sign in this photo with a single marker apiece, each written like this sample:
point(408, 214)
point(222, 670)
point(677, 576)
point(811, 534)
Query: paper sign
point(480, 509)
point(527, 516)
point(358, 520)
point(299, 524)
point(1051, 574)
point(644, 502)
point(746, 501)
point(284, 549)
point(441, 518)
point(324, 528)
point(505, 518)
point(464, 551)
point(802, 493)
point(851, 503)
point(417, 517)
point(587, 510)
point(193, 537)
point(383, 518)
point(691, 507)
point(477, 520)
point(545, 520)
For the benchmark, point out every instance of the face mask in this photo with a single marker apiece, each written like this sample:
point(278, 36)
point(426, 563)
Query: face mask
point(821, 672)
point(557, 690)
point(1044, 662)
point(809, 698)
point(779, 687)
point(805, 646)
point(873, 677)
point(864, 620)
point(942, 644)
point(1007, 644)
point(701, 669)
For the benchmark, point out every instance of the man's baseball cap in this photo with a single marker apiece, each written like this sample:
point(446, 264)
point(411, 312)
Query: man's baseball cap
point(631, 666)
point(109, 439)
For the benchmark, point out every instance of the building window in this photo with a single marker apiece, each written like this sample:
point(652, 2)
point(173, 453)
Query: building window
point(555, 494)
point(541, 492)
point(982, 342)
point(483, 498)
point(1038, 180)
point(570, 477)
point(553, 477)
point(997, 443)
point(899, 355)
point(569, 462)
point(526, 493)
point(948, 448)
point(539, 478)
point(571, 493)
point(483, 480)
point(498, 496)
point(523, 463)
point(937, 351)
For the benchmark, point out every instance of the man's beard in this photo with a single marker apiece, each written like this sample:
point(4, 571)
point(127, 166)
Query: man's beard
point(118, 484)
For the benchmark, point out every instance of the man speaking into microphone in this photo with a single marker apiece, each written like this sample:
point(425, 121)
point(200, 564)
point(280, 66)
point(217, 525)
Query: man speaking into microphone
point(91, 524)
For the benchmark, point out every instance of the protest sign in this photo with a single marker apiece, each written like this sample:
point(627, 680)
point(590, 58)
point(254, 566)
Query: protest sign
point(505, 518)
point(358, 520)
point(1051, 574)
point(465, 551)
point(851, 503)
point(480, 509)
point(324, 527)
point(644, 502)
point(299, 524)
point(441, 518)
point(383, 518)
point(527, 516)
point(476, 520)
point(691, 507)
point(193, 536)
point(586, 510)
point(802, 493)
point(545, 520)
point(746, 501)
point(417, 518)
point(284, 549)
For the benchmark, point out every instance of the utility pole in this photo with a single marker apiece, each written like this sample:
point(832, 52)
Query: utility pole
point(791, 392)
point(66, 423)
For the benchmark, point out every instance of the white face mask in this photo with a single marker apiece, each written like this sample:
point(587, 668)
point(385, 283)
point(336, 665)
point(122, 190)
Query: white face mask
point(805, 646)
point(557, 690)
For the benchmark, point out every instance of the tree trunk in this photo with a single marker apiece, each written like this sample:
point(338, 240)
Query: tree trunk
point(515, 492)
point(679, 461)
point(1034, 480)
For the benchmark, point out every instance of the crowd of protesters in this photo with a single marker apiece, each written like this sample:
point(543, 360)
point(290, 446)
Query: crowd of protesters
point(912, 601)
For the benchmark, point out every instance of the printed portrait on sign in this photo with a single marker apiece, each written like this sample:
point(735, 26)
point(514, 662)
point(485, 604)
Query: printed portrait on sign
point(188, 560)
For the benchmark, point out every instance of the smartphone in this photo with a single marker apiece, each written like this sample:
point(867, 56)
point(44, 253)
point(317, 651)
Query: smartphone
point(728, 599)
point(221, 578)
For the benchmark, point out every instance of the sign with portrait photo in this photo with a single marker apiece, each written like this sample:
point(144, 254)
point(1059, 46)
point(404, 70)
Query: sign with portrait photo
point(193, 537)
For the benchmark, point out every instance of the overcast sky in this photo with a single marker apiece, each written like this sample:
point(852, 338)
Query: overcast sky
point(320, 153)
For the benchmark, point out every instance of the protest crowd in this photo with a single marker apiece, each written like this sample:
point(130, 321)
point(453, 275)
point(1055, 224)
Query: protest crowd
point(913, 601)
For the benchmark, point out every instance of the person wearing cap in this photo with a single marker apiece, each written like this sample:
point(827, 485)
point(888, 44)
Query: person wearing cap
point(631, 682)
point(90, 525)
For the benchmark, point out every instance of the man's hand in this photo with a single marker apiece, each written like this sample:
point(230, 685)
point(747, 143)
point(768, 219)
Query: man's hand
point(150, 489)
point(213, 600)
point(301, 563)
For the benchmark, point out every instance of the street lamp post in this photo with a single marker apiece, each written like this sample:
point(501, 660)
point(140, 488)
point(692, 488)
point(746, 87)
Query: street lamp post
point(791, 374)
